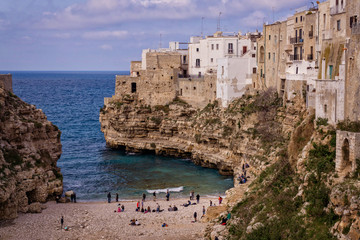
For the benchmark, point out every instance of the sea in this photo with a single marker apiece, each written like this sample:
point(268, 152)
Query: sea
point(72, 100)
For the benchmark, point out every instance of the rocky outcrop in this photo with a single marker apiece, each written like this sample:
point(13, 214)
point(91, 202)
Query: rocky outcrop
point(29, 149)
point(251, 129)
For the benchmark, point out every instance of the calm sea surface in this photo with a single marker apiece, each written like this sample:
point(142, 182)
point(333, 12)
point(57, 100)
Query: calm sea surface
point(72, 100)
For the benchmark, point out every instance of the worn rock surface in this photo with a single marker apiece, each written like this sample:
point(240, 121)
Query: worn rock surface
point(29, 149)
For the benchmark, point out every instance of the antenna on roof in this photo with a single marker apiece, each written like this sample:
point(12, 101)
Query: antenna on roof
point(218, 23)
point(202, 27)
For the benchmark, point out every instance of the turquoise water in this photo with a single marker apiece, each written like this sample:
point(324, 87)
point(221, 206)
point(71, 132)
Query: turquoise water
point(72, 100)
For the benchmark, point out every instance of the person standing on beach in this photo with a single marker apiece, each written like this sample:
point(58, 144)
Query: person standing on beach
point(117, 197)
point(144, 197)
point(220, 200)
point(62, 221)
point(204, 211)
point(74, 197)
point(198, 198)
point(109, 197)
point(154, 194)
point(195, 216)
point(167, 195)
point(210, 203)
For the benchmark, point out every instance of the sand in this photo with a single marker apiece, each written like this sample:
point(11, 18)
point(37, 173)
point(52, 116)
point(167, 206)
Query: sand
point(97, 220)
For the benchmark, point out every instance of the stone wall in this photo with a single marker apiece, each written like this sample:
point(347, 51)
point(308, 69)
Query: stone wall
point(198, 92)
point(6, 82)
point(347, 151)
point(330, 100)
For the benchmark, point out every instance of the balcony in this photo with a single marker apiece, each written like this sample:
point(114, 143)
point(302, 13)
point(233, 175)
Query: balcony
point(311, 34)
point(310, 57)
point(288, 48)
point(296, 40)
point(295, 57)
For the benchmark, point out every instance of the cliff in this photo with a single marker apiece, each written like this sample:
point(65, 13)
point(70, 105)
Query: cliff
point(29, 149)
point(294, 191)
point(212, 137)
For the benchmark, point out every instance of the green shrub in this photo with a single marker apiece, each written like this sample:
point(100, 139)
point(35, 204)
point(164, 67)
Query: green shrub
point(156, 120)
point(346, 229)
point(349, 126)
point(227, 131)
point(321, 122)
point(179, 101)
point(164, 108)
point(38, 125)
point(321, 159)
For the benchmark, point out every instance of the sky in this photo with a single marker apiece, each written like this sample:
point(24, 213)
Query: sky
point(101, 35)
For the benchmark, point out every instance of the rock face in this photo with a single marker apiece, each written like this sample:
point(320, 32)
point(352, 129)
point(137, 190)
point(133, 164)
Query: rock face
point(29, 149)
point(212, 137)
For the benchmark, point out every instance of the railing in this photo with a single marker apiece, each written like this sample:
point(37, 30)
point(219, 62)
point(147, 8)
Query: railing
point(295, 57)
point(311, 34)
point(230, 51)
point(296, 40)
point(310, 57)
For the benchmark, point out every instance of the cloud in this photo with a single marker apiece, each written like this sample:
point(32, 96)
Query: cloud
point(106, 47)
point(62, 35)
point(105, 34)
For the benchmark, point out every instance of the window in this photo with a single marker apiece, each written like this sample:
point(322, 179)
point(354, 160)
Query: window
point(181, 92)
point(197, 49)
point(269, 55)
point(197, 63)
point(199, 75)
point(338, 25)
point(301, 18)
point(253, 55)
point(353, 21)
point(273, 57)
point(133, 87)
point(325, 108)
point(269, 37)
point(230, 49)
point(212, 46)
point(244, 49)
point(211, 60)
point(337, 2)
point(217, 46)
point(195, 87)
point(184, 59)
point(324, 19)
point(222, 70)
point(296, 19)
point(254, 70)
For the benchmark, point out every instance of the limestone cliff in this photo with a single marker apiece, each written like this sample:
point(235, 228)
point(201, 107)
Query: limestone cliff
point(212, 137)
point(29, 149)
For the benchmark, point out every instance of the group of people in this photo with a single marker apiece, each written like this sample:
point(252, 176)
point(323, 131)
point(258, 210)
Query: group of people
point(243, 178)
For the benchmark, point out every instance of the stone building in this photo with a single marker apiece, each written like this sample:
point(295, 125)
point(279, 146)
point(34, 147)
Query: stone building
point(347, 151)
point(235, 74)
point(157, 84)
point(6, 82)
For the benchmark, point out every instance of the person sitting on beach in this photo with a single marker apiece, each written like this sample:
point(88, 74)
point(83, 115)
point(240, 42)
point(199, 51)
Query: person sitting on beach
point(148, 209)
point(223, 221)
point(142, 210)
point(122, 208)
point(187, 204)
point(175, 208)
point(132, 222)
point(158, 208)
point(170, 209)
point(119, 209)
point(137, 223)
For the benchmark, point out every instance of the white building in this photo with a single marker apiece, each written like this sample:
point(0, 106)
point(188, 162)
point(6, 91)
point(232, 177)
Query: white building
point(233, 57)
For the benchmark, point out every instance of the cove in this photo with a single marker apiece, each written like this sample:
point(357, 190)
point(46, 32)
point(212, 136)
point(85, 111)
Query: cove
point(72, 101)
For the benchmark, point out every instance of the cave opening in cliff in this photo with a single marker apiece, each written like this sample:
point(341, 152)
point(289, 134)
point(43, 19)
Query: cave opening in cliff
point(31, 196)
point(346, 154)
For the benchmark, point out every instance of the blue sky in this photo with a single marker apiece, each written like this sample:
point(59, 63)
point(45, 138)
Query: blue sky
point(108, 34)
